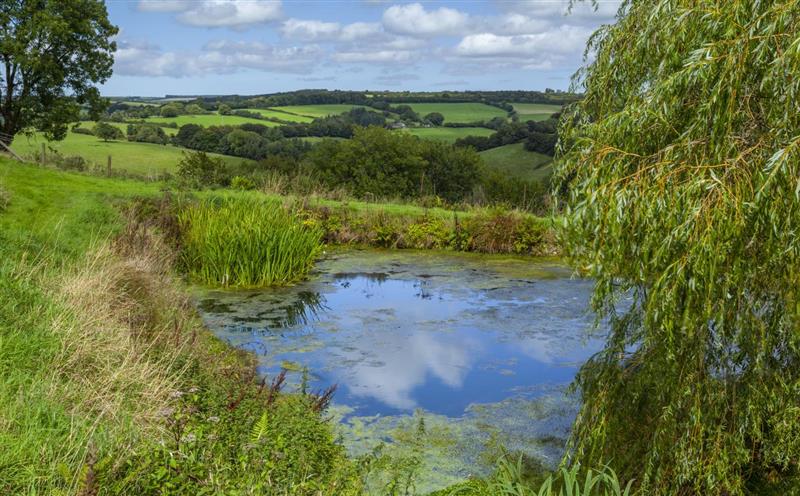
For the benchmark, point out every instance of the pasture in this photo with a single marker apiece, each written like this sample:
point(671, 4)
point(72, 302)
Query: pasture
point(284, 116)
point(133, 157)
point(516, 161)
point(210, 120)
point(535, 111)
point(315, 111)
point(459, 112)
point(448, 134)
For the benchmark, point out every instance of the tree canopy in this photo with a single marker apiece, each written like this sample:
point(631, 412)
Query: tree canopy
point(682, 167)
point(53, 53)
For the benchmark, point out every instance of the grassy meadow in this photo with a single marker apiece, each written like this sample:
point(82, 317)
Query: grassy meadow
point(516, 161)
point(210, 120)
point(535, 111)
point(136, 158)
point(284, 116)
point(321, 110)
point(448, 134)
point(459, 112)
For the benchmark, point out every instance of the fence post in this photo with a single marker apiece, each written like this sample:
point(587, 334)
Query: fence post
point(44, 156)
point(108, 167)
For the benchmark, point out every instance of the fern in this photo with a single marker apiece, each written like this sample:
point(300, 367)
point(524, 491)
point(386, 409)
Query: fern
point(260, 428)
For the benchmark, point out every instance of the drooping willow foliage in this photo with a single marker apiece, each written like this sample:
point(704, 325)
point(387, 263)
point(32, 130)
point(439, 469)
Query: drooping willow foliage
point(681, 170)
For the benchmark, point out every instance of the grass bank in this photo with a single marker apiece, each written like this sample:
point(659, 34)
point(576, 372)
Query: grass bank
point(110, 384)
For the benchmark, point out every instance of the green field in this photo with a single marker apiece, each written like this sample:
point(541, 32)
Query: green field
point(315, 111)
point(515, 160)
point(137, 158)
point(211, 120)
point(459, 112)
point(448, 134)
point(535, 111)
point(281, 115)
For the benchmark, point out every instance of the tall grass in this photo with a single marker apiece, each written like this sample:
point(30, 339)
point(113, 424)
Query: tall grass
point(246, 242)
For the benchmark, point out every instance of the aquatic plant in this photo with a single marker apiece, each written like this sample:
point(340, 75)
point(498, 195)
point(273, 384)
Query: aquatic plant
point(245, 242)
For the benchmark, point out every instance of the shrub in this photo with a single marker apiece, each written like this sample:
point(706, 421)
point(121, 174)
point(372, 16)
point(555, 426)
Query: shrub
point(82, 130)
point(107, 132)
point(198, 170)
point(242, 183)
point(435, 118)
point(246, 242)
point(147, 133)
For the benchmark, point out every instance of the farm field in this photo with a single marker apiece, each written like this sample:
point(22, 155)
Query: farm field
point(210, 120)
point(133, 157)
point(535, 111)
point(281, 115)
point(459, 112)
point(448, 134)
point(516, 161)
point(314, 111)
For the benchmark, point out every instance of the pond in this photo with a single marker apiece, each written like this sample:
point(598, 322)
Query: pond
point(481, 348)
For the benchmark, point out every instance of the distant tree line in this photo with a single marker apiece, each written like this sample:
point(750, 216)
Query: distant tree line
point(538, 136)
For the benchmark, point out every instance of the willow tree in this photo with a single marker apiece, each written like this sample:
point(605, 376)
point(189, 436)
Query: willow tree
point(681, 168)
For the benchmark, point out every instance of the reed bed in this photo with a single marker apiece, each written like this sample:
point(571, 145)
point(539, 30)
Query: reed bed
point(246, 242)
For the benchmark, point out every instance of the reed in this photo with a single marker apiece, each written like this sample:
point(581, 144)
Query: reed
point(246, 242)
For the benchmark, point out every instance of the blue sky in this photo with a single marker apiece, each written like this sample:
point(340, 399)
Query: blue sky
point(263, 46)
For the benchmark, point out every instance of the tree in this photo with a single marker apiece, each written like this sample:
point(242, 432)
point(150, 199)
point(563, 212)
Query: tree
point(224, 109)
point(195, 109)
point(53, 53)
point(681, 167)
point(170, 110)
point(147, 133)
point(107, 132)
point(435, 118)
point(198, 170)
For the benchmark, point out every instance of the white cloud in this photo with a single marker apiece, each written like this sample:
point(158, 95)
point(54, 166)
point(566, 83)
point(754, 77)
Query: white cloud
point(237, 14)
point(564, 40)
point(218, 57)
point(309, 30)
point(414, 20)
point(360, 30)
point(375, 56)
point(559, 10)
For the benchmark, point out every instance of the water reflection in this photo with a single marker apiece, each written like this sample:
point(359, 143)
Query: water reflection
point(397, 336)
point(485, 346)
point(406, 362)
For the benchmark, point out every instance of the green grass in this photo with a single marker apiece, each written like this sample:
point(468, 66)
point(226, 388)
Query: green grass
point(314, 111)
point(246, 242)
point(448, 134)
point(136, 158)
point(84, 362)
point(211, 120)
point(535, 111)
point(459, 112)
point(515, 160)
point(281, 115)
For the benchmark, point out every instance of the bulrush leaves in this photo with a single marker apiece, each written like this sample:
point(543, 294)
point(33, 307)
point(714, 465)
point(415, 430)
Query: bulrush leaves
point(246, 242)
point(682, 167)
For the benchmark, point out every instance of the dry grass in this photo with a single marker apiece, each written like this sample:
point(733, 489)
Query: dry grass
point(126, 337)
